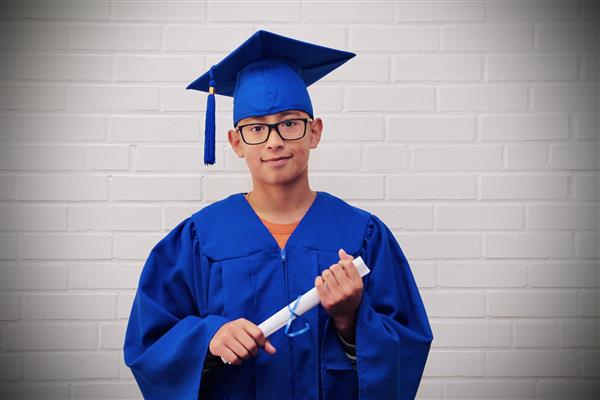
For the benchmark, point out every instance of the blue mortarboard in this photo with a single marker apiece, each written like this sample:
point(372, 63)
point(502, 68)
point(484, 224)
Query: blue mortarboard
point(267, 74)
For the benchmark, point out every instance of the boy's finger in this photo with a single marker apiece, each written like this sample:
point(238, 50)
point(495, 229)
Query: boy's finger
point(269, 348)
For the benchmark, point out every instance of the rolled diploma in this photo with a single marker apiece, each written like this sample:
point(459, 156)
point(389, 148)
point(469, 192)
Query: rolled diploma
point(308, 300)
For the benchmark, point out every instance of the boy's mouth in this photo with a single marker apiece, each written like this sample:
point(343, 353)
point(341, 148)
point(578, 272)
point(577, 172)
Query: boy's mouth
point(277, 159)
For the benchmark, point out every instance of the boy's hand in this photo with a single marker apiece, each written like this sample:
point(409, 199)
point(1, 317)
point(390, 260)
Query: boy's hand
point(237, 340)
point(340, 290)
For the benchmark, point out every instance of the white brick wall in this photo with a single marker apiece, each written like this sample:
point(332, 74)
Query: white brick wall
point(470, 127)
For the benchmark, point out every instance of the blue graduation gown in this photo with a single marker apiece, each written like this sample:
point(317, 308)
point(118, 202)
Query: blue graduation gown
point(221, 263)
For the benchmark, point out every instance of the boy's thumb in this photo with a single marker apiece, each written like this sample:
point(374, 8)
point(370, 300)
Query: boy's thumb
point(342, 253)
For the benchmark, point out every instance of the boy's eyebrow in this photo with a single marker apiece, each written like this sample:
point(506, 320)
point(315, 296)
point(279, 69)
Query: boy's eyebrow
point(283, 114)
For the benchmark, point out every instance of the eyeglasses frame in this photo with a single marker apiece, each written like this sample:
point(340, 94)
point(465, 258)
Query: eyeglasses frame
point(276, 126)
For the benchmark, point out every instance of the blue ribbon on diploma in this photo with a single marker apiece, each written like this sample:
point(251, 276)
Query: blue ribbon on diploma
point(290, 319)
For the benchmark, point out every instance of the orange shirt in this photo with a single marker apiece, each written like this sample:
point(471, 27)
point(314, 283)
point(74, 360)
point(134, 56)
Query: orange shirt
point(281, 232)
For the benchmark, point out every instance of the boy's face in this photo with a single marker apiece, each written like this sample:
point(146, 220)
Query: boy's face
point(291, 155)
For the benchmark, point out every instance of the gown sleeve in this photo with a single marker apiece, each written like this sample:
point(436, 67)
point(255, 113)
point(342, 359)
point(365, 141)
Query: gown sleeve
point(168, 332)
point(393, 335)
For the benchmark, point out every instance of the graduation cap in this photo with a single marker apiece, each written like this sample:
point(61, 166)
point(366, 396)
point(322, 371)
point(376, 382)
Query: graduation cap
point(267, 74)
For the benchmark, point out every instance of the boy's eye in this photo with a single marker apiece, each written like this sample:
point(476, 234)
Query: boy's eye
point(289, 124)
point(257, 128)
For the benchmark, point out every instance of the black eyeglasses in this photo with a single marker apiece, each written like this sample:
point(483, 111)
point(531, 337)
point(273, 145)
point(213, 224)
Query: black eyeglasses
point(289, 129)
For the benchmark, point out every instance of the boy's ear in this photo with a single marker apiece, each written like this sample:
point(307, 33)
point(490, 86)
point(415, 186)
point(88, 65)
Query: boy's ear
point(315, 132)
point(235, 141)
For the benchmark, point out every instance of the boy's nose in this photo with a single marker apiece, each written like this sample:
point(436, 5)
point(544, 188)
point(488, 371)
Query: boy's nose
point(274, 139)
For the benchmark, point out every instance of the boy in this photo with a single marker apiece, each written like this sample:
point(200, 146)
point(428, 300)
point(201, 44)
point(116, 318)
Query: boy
point(228, 267)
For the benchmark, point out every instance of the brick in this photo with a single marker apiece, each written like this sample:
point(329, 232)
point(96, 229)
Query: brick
point(456, 158)
point(431, 128)
point(474, 275)
point(112, 98)
point(42, 157)
point(565, 274)
point(325, 99)
point(175, 158)
point(71, 128)
point(491, 37)
point(65, 246)
point(208, 38)
point(352, 128)
point(158, 11)
point(8, 188)
point(524, 363)
point(524, 187)
point(389, 98)
point(114, 218)
point(528, 245)
point(388, 157)
point(563, 97)
point(579, 334)
point(335, 158)
point(588, 304)
point(480, 217)
point(589, 70)
point(533, 68)
point(64, 67)
point(401, 216)
point(16, 96)
point(527, 157)
point(104, 276)
point(586, 187)
point(154, 128)
point(286, 11)
point(531, 304)
point(471, 334)
point(571, 37)
point(216, 187)
point(51, 337)
point(563, 216)
point(69, 306)
point(455, 364)
point(575, 156)
point(106, 391)
point(562, 389)
point(156, 188)
point(482, 97)
point(134, 247)
point(586, 126)
point(35, 36)
point(361, 68)
point(336, 11)
point(83, 365)
point(536, 334)
point(350, 187)
point(437, 187)
point(440, 245)
point(31, 217)
point(435, 11)
point(524, 127)
point(115, 37)
point(392, 39)
point(34, 277)
point(108, 157)
point(65, 188)
point(587, 244)
point(437, 68)
point(151, 68)
point(8, 250)
point(11, 307)
point(97, 10)
point(33, 390)
point(112, 336)
point(497, 388)
point(531, 11)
